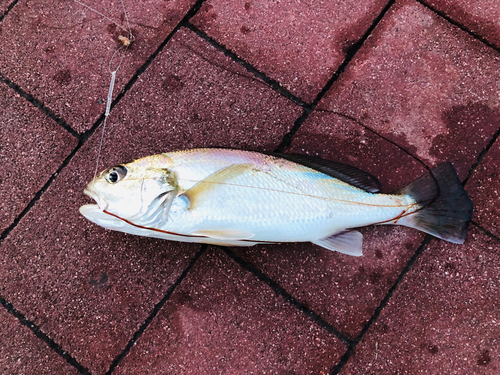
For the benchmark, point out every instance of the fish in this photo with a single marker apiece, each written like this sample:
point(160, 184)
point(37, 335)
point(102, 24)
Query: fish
point(232, 197)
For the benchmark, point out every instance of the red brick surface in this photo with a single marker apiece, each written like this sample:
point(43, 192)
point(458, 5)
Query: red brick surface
point(60, 51)
point(195, 96)
point(21, 352)
point(32, 146)
point(484, 188)
point(443, 318)
point(285, 39)
point(424, 84)
point(90, 289)
point(223, 320)
point(417, 92)
point(345, 290)
point(479, 16)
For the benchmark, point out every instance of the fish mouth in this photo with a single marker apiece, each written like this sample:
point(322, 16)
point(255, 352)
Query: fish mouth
point(97, 212)
point(101, 203)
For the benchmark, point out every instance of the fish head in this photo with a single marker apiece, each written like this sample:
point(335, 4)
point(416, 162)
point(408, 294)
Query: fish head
point(129, 191)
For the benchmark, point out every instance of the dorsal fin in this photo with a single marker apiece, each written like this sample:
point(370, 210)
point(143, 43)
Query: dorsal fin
point(351, 175)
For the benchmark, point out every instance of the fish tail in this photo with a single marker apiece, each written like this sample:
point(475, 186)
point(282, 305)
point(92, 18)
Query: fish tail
point(445, 209)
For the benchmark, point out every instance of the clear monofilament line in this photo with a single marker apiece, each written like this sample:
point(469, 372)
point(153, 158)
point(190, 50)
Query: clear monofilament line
point(106, 114)
point(131, 36)
point(102, 15)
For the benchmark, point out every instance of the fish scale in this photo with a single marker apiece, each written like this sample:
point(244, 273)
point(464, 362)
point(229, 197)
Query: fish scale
point(232, 197)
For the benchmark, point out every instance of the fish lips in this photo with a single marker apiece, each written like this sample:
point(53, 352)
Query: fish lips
point(101, 203)
point(95, 212)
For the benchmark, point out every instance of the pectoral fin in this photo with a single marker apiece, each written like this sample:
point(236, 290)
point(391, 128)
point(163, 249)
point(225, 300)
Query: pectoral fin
point(225, 234)
point(346, 242)
point(202, 188)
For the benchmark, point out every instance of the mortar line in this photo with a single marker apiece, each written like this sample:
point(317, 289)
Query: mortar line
point(275, 85)
point(481, 155)
point(485, 231)
point(351, 52)
point(9, 8)
point(39, 193)
point(156, 310)
point(38, 104)
point(35, 329)
point(366, 127)
point(348, 354)
point(83, 137)
point(461, 27)
point(279, 290)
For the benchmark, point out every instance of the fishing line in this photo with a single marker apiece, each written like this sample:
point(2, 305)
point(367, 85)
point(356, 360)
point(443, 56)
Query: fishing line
point(125, 43)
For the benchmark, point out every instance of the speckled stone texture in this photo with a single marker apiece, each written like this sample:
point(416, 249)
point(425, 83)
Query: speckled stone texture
point(484, 189)
point(4, 5)
point(21, 352)
point(61, 52)
point(32, 146)
point(90, 289)
point(195, 96)
point(284, 39)
point(345, 290)
point(424, 84)
point(443, 319)
point(418, 92)
point(223, 320)
point(479, 16)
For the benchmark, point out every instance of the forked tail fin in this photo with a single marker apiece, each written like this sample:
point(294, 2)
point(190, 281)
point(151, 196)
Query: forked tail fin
point(446, 209)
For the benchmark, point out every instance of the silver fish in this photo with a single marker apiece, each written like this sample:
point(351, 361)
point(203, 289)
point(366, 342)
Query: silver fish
point(241, 198)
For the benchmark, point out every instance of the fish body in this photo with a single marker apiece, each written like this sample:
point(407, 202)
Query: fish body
point(242, 198)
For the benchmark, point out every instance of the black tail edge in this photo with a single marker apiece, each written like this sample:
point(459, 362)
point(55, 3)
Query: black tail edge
point(445, 207)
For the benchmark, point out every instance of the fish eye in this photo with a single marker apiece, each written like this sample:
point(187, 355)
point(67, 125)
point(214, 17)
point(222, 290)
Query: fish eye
point(115, 174)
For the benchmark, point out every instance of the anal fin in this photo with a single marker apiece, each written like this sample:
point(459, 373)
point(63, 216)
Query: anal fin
point(346, 242)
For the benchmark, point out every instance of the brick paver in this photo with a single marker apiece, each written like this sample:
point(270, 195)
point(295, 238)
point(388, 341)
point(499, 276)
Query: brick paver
point(21, 352)
point(32, 148)
point(423, 83)
point(391, 87)
point(443, 318)
point(222, 320)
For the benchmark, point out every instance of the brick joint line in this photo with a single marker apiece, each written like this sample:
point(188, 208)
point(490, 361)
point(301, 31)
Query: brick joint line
point(348, 354)
point(9, 8)
point(279, 290)
point(38, 104)
point(156, 310)
point(460, 26)
point(351, 52)
point(42, 336)
point(486, 231)
point(481, 156)
point(39, 193)
point(273, 84)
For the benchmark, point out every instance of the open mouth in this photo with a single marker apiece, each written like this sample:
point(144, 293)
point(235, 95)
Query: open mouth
point(100, 202)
